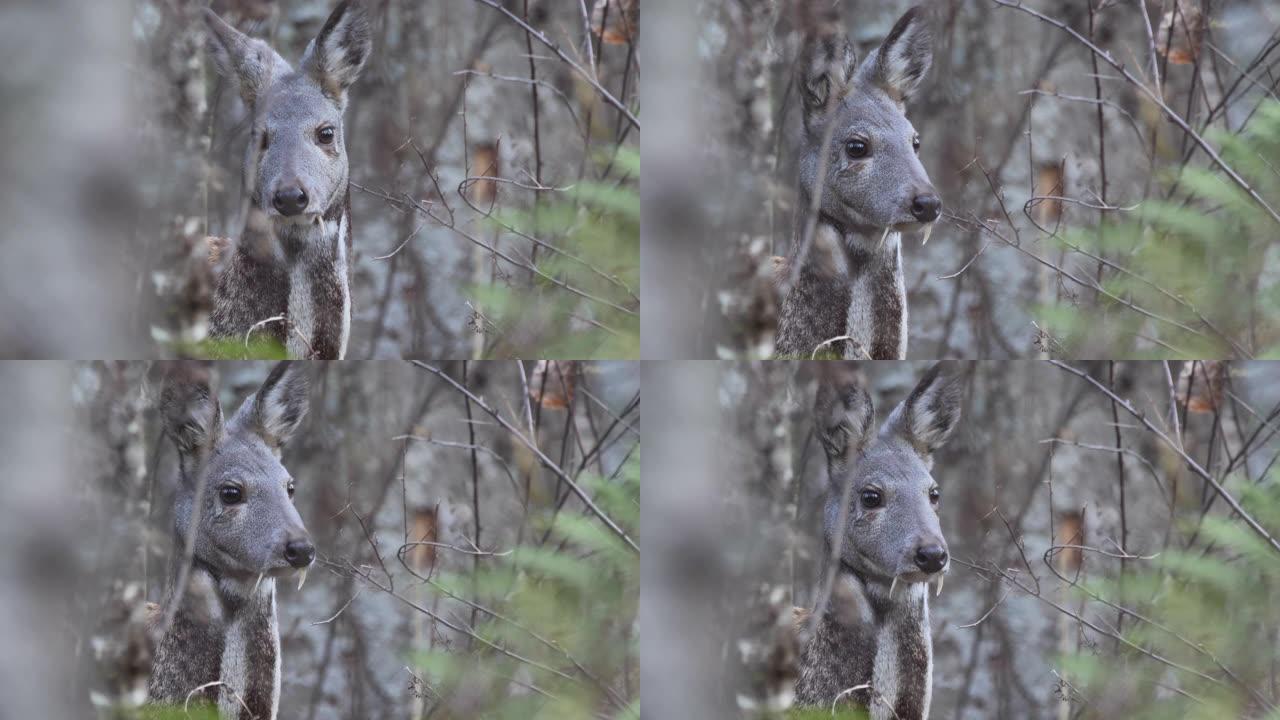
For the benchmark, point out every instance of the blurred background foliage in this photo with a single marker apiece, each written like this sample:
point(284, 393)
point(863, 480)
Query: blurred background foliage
point(576, 597)
point(1201, 640)
point(595, 225)
point(1185, 276)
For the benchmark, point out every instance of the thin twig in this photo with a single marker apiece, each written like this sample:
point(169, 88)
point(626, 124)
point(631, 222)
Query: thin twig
point(1177, 448)
point(1155, 99)
point(595, 84)
point(546, 461)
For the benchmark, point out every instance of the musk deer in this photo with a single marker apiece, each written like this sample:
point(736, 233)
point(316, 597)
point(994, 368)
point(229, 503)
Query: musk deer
point(289, 275)
point(848, 293)
point(235, 502)
point(870, 643)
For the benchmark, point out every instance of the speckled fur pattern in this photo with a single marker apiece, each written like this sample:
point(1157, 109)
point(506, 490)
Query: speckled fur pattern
point(890, 652)
point(846, 291)
point(251, 289)
point(811, 312)
point(219, 635)
point(250, 661)
point(308, 284)
point(319, 300)
point(190, 654)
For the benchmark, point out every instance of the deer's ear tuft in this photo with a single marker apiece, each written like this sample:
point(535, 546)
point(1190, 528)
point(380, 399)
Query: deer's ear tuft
point(903, 59)
point(281, 403)
point(338, 54)
point(825, 68)
point(931, 412)
point(189, 410)
point(843, 415)
point(251, 63)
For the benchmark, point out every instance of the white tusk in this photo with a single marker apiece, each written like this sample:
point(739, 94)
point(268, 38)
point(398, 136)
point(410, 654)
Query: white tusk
point(939, 591)
point(255, 585)
point(928, 230)
point(884, 237)
point(302, 577)
point(893, 585)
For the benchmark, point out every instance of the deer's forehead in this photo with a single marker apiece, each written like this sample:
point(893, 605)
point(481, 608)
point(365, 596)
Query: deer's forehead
point(297, 100)
point(246, 460)
point(893, 463)
point(870, 109)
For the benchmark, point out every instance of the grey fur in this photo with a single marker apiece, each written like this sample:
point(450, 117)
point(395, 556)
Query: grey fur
point(850, 281)
point(296, 267)
point(224, 623)
point(872, 633)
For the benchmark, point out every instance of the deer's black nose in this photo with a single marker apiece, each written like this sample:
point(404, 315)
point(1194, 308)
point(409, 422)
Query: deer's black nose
point(931, 558)
point(290, 200)
point(926, 207)
point(299, 553)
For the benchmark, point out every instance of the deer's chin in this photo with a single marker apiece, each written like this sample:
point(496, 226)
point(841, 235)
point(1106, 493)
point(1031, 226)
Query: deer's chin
point(916, 576)
point(242, 573)
point(302, 220)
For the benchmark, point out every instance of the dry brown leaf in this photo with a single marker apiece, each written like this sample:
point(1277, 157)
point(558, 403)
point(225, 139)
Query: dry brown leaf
point(620, 18)
point(216, 247)
point(552, 383)
point(1181, 33)
point(1049, 182)
point(1070, 531)
point(1200, 385)
point(422, 558)
point(484, 164)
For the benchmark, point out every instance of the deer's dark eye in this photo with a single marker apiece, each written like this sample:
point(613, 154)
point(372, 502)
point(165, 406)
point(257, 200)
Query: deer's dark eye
point(856, 148)
point(231, 495)
point(935, 495)
point(290, 489)
point(915, 143)
point(325, 135)
point(871, 498)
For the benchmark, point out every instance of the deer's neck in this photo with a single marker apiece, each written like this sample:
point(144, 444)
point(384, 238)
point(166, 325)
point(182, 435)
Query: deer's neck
point(319, 307)
point(876, 319)
point(224, 631)
point(866, 639)
point(850, 286)
point(252, 290)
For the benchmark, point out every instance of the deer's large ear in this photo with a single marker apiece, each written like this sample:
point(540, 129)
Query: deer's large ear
point(843, 416)
point(899, 65)
point(336, 56)
point(190, 412)
point(280, 404)
point(250, 63)
point(930, 413)
point(825, 67)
